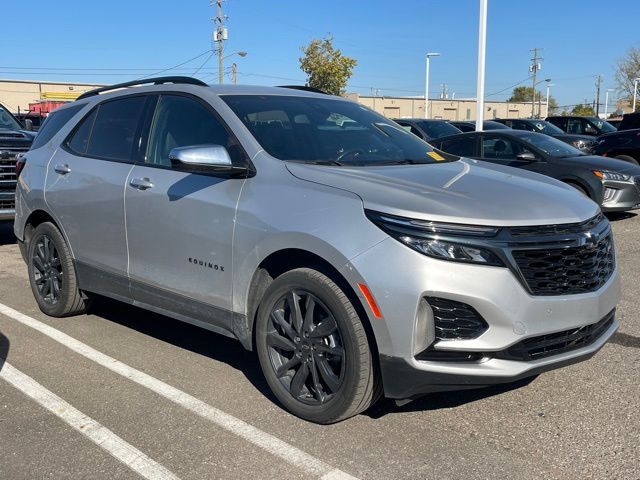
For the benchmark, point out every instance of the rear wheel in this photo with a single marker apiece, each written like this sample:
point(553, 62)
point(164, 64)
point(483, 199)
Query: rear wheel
point(52, 275)
point(627, 158)
point(313, 348)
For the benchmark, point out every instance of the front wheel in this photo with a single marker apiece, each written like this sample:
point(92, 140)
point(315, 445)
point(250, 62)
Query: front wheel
point(313, 348)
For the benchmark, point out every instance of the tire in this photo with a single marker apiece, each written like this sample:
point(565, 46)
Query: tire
point(52, 275)
point(627, 158)
point(329, 348)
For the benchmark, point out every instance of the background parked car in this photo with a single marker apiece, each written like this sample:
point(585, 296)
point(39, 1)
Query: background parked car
point(593, 126)
point(427, 129)
point(624, 145)
point(616, 122)
point(581, 142)
point(609, 182)
point(470, 126)
point(630, 121)
point(13, 141)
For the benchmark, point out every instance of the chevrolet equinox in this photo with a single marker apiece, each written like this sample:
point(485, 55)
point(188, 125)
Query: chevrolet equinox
point(355, 259)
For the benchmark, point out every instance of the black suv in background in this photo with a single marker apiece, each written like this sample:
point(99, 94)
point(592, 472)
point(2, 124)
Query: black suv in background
point(581, 142)
point(427, 129)
point(593, 126)
point(624, 145)
point(14, 139)
point(630, 121)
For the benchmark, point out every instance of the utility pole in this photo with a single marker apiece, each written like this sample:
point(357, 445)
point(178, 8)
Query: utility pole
point(234, 73)
point(219, 35)
point(443, 92)
point(598, 83)
point(533, 68)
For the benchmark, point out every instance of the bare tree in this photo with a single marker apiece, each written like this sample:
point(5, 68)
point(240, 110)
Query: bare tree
point(627, 69)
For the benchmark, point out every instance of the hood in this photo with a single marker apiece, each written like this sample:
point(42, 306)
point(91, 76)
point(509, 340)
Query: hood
point(15, 138)
point(465, 191)
point(603, 163)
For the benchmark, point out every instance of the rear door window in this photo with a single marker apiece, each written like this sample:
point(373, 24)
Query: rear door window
point(463, 146)
point(116, 129)
point(80, 137)
point(54, 122)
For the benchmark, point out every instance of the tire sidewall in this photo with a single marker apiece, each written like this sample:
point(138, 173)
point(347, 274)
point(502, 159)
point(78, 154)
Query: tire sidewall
point(301, 279)
point(56, 237)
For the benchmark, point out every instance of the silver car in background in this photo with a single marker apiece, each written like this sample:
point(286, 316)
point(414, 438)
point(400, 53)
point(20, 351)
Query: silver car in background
point(353, 257)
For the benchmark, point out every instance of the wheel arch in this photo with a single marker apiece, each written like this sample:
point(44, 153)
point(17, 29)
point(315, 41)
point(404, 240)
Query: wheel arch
point(287, 259)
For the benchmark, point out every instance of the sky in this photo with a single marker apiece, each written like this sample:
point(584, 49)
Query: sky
point(120, 40)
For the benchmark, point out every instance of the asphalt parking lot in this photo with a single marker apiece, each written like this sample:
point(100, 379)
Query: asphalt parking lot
point(152, 395)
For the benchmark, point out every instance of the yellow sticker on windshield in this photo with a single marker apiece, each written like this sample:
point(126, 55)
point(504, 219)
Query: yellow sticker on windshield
point(436, 156)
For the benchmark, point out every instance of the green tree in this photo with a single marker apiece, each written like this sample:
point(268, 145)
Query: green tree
point(326, 67)
point(627, 69)
point(524, 94)
point(583, 110)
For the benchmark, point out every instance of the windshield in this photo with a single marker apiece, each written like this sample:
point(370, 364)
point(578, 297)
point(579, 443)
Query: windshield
point(7, 121)
point(551, 146)
point(545, 127)
point(603, 125)
point(437, 129)
point(327, 131)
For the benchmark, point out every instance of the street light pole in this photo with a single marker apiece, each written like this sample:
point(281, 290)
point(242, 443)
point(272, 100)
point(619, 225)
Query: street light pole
point(635, 90)
point(482, 42)
point(549, 85)
point(606, 102)
point(426, 86)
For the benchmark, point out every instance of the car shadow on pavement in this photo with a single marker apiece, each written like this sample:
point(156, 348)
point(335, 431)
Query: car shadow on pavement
point(6, 233)
point(4, 349)
point(440, 400)
point(185, 336)
point(616, 216)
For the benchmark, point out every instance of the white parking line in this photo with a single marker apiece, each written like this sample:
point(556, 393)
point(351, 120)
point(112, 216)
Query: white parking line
point(98, 434)
point(266, 441)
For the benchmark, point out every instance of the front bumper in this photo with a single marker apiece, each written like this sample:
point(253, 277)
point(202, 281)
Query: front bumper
point(7, 214)
point(620, 196)
point(7, 204)
point(409, 378)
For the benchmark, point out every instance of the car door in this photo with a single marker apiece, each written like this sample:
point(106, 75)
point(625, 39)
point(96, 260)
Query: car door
point(180, 224)
point(85, 190)
point(504, 150)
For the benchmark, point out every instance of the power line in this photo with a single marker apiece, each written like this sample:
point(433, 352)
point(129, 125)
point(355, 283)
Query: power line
point(203, 64)
point(176, 66)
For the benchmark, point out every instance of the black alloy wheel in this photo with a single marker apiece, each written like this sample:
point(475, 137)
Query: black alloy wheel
point(47, 270)
point(305, 347)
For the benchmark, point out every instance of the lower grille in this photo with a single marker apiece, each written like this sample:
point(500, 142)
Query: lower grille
point(566, 271)
point(455, 320)
point(555, 343)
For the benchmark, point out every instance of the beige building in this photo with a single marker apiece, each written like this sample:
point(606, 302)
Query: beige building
point(463, 109)
point(16, 95)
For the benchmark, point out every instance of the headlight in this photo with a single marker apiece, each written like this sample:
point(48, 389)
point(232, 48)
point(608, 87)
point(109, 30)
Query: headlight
point(445, 241)
point(606, 175)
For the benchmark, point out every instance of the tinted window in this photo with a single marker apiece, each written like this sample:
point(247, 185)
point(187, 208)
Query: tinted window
point(7, 120)
point(80, 138)
point(180, 122)
point(551, 146)
point(411, 129)
point(462, 146)
point(499, 148)
point(438, 129)
point(321, 130)
point(115, 130)
point(577, 126)
point(52, 125)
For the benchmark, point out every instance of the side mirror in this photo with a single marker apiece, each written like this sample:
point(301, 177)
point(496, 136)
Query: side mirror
point(527, 156)
point(204, 159)
point(28, 124)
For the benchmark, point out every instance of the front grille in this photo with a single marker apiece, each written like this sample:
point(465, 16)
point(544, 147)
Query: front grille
point(555, 343)
point(561, 229)
point(455, 320)
point(566, 271)
point(8, 176)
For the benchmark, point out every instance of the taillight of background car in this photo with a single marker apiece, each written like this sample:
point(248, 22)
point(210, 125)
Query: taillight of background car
point(21, 161)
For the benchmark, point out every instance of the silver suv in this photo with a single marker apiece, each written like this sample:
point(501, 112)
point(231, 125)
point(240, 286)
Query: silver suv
point(353, 257)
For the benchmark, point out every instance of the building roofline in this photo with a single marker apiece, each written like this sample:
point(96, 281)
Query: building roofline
point(52, 82)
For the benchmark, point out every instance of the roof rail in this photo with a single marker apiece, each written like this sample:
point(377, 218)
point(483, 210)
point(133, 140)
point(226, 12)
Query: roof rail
point(304, 88)
point(143, 81)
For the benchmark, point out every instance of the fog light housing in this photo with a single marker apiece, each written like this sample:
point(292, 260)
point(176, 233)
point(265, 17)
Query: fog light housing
point(609, 193)
point(455, 320)
point(424, 332)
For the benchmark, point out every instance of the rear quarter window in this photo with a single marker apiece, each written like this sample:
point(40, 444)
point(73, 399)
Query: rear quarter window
point(52, 125)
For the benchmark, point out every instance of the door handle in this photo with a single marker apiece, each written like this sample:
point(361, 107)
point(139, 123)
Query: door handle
point(62, 169)
point(141, 183)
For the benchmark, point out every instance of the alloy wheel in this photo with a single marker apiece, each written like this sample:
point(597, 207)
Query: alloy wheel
point(47, 270)
point(305, 347)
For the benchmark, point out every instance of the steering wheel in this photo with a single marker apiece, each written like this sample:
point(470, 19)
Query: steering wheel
point(353, 152)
